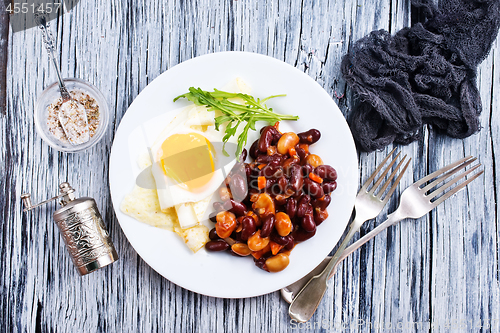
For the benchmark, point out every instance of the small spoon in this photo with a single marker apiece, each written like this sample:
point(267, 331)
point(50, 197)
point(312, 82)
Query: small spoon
point(72, 114)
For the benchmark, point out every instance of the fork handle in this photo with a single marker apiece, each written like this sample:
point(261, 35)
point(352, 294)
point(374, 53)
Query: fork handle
point(307, 300)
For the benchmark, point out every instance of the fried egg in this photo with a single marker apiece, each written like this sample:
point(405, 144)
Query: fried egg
point(182, 168)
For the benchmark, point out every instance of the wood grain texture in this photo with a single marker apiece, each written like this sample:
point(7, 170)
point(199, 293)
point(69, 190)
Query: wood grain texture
point(440, 269)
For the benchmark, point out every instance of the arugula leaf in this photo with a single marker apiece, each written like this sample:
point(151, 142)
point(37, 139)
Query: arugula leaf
point(233, 114)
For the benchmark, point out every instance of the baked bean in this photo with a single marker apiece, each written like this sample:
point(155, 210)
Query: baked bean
point(238, 186)
point(241, 249)
point(256, 242)
point(224, 193)
point(296, 180)
point(248, 227)
point(283, 224)
point(238, 208)
point(268, 222)
point(291, 207)
point(314, 160)
point(266, 138)
point(309, 137)
point(313, 189)
point(326, 172)
point(320, 215)
point(287, 141)
point(254, 149)
point(322, 202)
point(302, 205)
point(277, 263)
point(213, 234)
point(217, 245)
point(264, 205)
point(307, 223)
point(302, 235)
point(226, 223)
point(329, 187)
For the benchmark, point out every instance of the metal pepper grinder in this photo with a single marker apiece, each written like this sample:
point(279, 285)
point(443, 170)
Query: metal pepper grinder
point(82, 229)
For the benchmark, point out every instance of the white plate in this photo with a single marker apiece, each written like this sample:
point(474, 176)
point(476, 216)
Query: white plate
point(220, 274)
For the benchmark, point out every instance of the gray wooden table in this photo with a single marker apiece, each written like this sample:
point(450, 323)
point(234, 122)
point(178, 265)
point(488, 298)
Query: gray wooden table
point(439, 273)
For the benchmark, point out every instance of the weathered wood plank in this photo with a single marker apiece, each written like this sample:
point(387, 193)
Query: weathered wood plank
point(440, 268)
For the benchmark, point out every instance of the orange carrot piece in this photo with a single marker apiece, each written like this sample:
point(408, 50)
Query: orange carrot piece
point(275, 247)
point(259, 254)
point(261, 182)
point(315, 177)
point(261, 166)
point(292, 152)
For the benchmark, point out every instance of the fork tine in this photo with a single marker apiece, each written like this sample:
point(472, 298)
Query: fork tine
point(448, 174)
point(396, 182)
point(451, 182)
point(372, 177)
point(455, 189)
point(391, 177)
point(440, 171)
point(381, 178)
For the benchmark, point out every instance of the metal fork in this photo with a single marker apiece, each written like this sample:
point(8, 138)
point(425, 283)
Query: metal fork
point(367, 206)
point(416, 201)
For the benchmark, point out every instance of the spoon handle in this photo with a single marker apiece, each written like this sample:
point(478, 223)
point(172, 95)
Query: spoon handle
point(48, 40)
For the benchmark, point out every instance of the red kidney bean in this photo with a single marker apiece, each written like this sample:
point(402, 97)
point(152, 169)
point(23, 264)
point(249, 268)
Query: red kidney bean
point(322, 203)
point(237, 208)
point(302, 205)
point(266, 138)
point(291, 242)
point(254, 149)
point(281, 240)
point(213, 234)
point(308, 223)
point(248, 227)
point(213, 217)
point(326, 172)
point(276, 135)
point(301, 235)
point(248, 170)
point(320, 215)
point(270, 158)
point(238, 186)
point(296, 180)
point(313, 189)
point(217, 245)
point(267, 225)
point(288, 163)
point(282, 183)
point(291, 207)
point(269, 170)
point(309, 137)
point(307, 169)
point(301, 152)
point(261, 263)
point(329, 187)
point(243, 155)
point(309, 209)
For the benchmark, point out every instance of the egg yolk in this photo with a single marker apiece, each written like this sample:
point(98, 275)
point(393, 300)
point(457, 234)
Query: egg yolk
point(188, 159)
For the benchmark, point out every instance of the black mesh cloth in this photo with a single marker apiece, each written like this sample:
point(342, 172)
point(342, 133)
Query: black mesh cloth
point(425, 74)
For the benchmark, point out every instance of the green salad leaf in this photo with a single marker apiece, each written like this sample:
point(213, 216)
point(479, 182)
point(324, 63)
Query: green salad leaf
point(234, 114)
